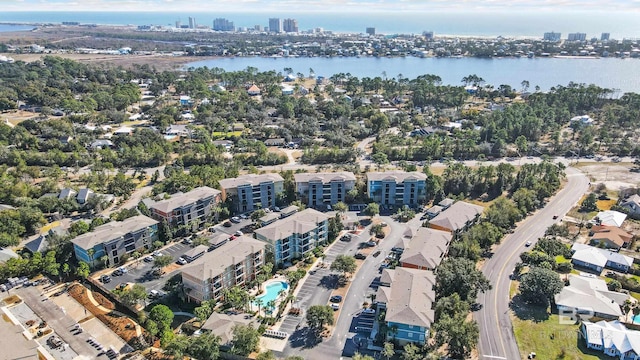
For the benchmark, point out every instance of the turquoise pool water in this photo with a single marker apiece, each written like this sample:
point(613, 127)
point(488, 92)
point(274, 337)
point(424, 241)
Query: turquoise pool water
point(636, 319)
point(272, 292)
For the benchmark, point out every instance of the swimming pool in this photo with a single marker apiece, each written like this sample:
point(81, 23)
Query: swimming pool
point(636, 319)
point(272, 290)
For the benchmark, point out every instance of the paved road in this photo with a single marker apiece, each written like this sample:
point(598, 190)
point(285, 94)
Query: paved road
point(497, 340)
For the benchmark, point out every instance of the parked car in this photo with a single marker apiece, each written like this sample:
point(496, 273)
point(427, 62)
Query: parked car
point(187, 241)
point(346, 238)
point(123, 269)
point(243, 216)
point(375, 254)
point(148, 258)
point(235, 219)
point(370, 243)
point(227, 224)
point(368, 311)
point(360, 256)
point(335, 307)
point(336, 299)
point(212, 229)
point(182, 261)
point(238, 233)
point(117, 272)
point(105, 279)
point(157, 253)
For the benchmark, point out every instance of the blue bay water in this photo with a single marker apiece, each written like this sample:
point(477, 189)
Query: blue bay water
point(620, 74)
point(10, 28)
point(480, 23)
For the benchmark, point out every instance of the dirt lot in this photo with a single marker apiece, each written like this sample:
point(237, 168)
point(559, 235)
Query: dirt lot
point(615, 176)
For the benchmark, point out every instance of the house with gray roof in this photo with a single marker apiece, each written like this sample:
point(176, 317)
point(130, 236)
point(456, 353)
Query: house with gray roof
point(67, 193)
point(252, 191)
point(589, 296)
point(597, 259)
point(294, 236)
point(397, 188)
point(84, 194)
point(426, 249)
point(321, 189)
point(235, 263)
point(613, 338)
point(6, 254)
point(101, 144)
point(457, 218)
point(6, 207)
point(192, 208)
point(632, 203)
point(407, 302)
point(116, 238)
point(222, 326)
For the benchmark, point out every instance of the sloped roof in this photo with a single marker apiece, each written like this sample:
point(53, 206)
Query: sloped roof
point(112, 230)
point(611, 233)
point(611, 218)
point(410, 297)
point(196, 250)
point(6, 254)
point(633, 199)
point(326, 177)
point(249, 179)
point(426, 248)
point(457, 215)
point(597, 256)
point(181, 199)
point(298, 223)
point(590, 293)
point(398, 176)
point(222, 325)
point(214, 263)
point(612, 334)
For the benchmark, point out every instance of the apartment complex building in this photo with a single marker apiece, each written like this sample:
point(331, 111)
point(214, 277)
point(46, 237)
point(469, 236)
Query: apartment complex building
point(251, 191)
point(294, 236)
point(194, 207)
point(318, 189)
point(235, 263)
point(116, 238)
point(397, 188)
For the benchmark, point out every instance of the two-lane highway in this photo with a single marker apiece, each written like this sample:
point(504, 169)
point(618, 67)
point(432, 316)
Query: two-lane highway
point(497, 340)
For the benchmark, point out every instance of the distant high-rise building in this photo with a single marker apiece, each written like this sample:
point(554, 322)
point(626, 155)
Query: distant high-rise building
point(552, 36)
point(428, 35)
point(222, 24)
point(275, 25)
point(257, 27)
point(290, 25)
point(605, 37)
point(192, 23)
point(178, 24)
point(371, 30)
point(577, 37)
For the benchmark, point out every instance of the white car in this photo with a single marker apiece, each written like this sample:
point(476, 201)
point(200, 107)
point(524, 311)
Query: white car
point(157, 253)
point(238, 233)
point(528, 243)
point(148, 259)
point(335, 307)
point(182, 261)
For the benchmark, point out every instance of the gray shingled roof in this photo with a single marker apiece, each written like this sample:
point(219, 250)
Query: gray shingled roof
point(590, 293)
point(213, 263)
point(426, 248)
point(457, 215)
point(399, 176)
point(299, 223)
point(222, 325)
point(410, 297)
point(251, 179)
point(325, 177)
point(112, 230)
point(182, 199)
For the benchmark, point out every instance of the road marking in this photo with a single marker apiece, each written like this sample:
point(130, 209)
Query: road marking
point(493, 357)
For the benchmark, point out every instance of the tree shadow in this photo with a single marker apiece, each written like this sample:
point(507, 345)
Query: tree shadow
point(330, 281)
point(524, 311)
point(304, 338)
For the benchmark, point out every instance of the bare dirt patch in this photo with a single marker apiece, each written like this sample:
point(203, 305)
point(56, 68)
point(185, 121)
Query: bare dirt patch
point(615, 176)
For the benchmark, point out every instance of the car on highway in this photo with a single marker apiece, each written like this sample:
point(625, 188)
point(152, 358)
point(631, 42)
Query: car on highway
point(148, 258)
point(360, 256)
point(336, 299)
point(182, 261)
point(528, 243)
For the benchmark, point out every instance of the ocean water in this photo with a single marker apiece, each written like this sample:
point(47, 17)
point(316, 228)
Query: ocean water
point(623, 75)
point(513, 23)
point(10, 28)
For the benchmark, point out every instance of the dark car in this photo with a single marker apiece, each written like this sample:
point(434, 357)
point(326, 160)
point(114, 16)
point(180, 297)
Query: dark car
point(375, 254)
point(336, 299)
point(227, 224)
point(360, 256)
point(117, 272)
point(555, 217)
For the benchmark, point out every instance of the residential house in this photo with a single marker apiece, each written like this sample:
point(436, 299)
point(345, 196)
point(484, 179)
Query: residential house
point(123, 130)
point(101, 144)
point(67, 193)
point(40, 243)
point(221, 325)
point(251, 191)
point(275, 142)
point(632, 203)
point(596, 259)
point(116, 238)
point(321, 189)
point(185, 100)
point(84, 195)
point(194, 207)
point(226, 144)
point(610, 218)
point(457, 218)
point(293, 237)
point(235, 263)
point(178, 130)
point(585, 120)
point(426, 249)
point(612, 338)
point(609, 237)
point(253, 90)
point(6, 254)
point(407, 296)
point(589, 296)
point(397, 188)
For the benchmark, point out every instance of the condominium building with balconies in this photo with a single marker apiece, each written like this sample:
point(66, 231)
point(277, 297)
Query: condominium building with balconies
point(251, 191)
point(191, 208)
point(321, 189)
point(397, 188)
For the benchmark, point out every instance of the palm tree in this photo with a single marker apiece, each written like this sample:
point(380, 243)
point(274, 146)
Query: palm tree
point(251, 299)
point(91, 252)
point(271, 304)
point(281, 293)
point(259, 302)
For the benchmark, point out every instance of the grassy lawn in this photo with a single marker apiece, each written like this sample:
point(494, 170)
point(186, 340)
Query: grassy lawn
point(227, 134)
point(543, 334)
point(561, 259)
point(605, 204)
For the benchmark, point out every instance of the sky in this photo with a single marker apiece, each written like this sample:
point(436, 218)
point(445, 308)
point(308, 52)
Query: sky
point(356, 6)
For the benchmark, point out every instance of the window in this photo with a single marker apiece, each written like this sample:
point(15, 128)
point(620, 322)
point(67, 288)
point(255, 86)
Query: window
point(410, 335)
point(114, 253)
